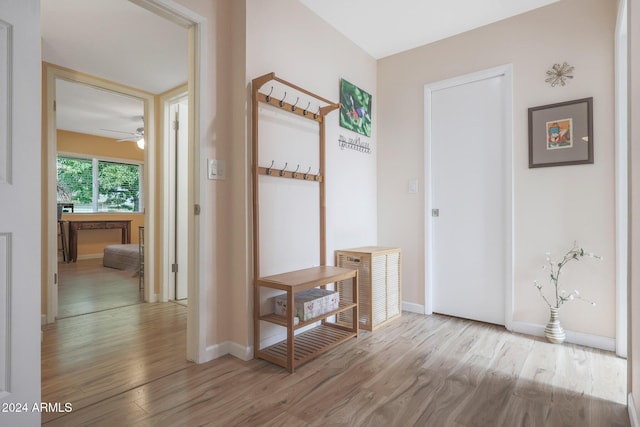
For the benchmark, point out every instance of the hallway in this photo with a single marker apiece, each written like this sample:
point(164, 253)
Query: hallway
point(127, 367)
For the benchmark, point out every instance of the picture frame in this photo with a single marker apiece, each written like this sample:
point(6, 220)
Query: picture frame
point(561, 134)
point(355, 108)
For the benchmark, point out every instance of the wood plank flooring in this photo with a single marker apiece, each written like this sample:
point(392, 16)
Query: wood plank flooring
point(86, 286)
point(126, 367)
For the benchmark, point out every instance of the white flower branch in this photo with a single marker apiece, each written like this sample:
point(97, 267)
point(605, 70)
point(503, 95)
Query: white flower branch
point(555, 268)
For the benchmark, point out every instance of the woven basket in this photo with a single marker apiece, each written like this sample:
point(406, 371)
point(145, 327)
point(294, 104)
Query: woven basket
point(379, 284)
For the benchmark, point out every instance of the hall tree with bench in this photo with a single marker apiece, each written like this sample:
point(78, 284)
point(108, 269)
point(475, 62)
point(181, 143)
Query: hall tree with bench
point(289, 228)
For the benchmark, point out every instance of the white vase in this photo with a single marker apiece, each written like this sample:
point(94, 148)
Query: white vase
point(554, 331)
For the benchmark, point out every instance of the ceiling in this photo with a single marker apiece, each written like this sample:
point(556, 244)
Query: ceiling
point(383, 27)
point(119, 41)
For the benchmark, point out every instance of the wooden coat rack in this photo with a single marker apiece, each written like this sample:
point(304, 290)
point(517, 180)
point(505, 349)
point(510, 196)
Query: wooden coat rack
point(297, 348)
point(317, 116)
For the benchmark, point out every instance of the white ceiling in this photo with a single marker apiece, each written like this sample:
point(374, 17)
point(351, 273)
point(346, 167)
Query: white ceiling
point(115, 40)
point(383, 27)
point(124, 43)
point(85, 109)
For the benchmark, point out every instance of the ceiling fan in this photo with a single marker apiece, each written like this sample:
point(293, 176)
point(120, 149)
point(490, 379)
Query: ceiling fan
point(137, 136)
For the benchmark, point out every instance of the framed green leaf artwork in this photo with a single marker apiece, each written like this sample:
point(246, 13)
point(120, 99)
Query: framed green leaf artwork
point(355, 108)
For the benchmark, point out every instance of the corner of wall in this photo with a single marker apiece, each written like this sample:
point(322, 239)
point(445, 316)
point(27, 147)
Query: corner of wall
point(234, 349)
point(633, 412)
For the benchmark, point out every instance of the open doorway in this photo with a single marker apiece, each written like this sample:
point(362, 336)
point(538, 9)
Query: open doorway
point(195, 48)
point(99, 188)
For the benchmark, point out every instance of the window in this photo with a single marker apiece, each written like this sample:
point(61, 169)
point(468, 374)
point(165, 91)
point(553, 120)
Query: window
point(95, 185)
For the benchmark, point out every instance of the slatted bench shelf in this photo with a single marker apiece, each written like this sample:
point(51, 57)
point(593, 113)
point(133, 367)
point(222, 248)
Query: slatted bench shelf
point(297, 349)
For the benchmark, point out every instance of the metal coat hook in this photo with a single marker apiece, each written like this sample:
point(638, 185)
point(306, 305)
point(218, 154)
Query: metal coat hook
point(315, 178)
point(283, 169)
point(269, 168)
point(293, 174)
point(304, 112)
point(269, 96)
point(281, 103)
point(307, 173)
point(315, 115)
point(293, 107)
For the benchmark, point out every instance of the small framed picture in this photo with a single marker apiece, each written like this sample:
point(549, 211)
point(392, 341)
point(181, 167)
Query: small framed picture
point(561, 134)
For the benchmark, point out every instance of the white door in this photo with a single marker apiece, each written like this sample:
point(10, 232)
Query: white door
point(469, 224)
point(20, 237)
point(179, 190)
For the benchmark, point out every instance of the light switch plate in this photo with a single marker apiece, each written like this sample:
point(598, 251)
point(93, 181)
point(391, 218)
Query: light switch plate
point(215, 169)
point(412, 186)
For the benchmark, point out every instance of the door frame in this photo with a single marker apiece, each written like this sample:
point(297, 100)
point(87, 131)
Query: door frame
point(197, 72)
point(166, 100)
point(197, 90)
point(54, 73)
point(505, 71)
point(621, 179)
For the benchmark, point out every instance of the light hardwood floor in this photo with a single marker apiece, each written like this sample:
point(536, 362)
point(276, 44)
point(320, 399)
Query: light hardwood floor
point(126, 367)
point(86, 286)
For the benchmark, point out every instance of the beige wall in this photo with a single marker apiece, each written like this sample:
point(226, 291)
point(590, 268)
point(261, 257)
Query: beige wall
point(242, 44)
point(91, 145)
point(634, 259)
point(552, 206)
point(308, 52)
point(222, 227)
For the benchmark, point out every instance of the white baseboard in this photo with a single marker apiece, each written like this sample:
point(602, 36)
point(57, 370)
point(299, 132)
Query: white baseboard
point(580, 338)
point(228, 347)
point(633, 413)
point(412, 307)
point(241, 352)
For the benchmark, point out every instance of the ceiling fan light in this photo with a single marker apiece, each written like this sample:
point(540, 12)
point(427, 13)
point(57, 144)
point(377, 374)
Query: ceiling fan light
point(140, 143)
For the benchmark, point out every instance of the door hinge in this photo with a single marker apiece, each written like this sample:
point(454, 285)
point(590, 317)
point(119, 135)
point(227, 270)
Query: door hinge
point(54, 105)
point(196, 209)
point(55, 278)
point(176, 125)
point(435, 212)
point(174, 268)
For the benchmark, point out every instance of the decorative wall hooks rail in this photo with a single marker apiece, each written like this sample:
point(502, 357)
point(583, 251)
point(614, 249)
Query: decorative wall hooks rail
point(354, 144)
point(282, 103)
point(316, 109)
point(294, 174)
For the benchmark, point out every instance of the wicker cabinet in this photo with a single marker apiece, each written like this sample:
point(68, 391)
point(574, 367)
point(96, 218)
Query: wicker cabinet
point(379, 283)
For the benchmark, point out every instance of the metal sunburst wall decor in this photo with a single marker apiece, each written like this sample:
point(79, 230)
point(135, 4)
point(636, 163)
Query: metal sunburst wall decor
point(559, 74)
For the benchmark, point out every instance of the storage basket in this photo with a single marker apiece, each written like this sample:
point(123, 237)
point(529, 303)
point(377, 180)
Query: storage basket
point(379, 283)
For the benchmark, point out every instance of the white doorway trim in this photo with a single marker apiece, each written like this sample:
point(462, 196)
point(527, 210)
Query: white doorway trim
point(505, 71)
point(621, 179)
point(169, 168)
point(54, 73)
point(197, 26)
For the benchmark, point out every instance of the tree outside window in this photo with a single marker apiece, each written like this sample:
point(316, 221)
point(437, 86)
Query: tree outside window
point(94, 185)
